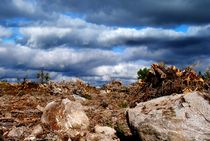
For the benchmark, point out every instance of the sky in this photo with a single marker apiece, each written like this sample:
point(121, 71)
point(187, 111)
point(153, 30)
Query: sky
point(98, 41)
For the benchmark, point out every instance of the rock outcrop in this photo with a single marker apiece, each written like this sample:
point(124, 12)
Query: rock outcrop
point(183, 117)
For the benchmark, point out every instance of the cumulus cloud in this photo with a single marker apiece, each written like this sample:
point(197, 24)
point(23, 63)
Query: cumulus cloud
point(77, 32)
point(121, 70)
point(157, 44)
point(65, 60)
point(5, 32)
point(25, 6)
point(65, 63)
point(74, 38)
point(21, 8)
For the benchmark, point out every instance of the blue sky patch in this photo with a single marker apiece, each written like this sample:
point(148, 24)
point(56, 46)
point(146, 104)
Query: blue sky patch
point(14, 22)
point(118, 49)
point(8, 40)
point(182, 28)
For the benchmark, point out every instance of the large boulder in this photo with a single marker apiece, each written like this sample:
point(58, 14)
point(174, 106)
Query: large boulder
point(66, 118)
point(183, 117)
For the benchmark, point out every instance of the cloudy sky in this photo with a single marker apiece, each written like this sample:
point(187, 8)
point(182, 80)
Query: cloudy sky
point(100, 40)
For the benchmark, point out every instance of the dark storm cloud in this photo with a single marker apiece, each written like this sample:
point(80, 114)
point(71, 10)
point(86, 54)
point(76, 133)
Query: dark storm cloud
point(137, 12)
point(112, 12)
point(19, 8)
point(149, 44)
point(187, 47)
point(77, 32)
point(175, 46)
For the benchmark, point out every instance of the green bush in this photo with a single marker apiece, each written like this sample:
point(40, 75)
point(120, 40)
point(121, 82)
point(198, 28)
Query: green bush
point(142, 73)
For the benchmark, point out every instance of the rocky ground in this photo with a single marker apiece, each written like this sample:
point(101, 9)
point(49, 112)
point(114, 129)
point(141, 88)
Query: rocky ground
point(78, 111)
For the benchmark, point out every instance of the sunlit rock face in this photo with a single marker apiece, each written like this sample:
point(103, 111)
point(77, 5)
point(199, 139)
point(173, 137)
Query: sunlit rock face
point(175, 117)
point(66, 117)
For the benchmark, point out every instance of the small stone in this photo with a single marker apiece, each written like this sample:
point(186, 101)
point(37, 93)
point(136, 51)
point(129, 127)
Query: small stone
point(16, 132)
point(40, 108)
point(37, 130)
point(104, 104)
point(105, 130)
point(79, 98)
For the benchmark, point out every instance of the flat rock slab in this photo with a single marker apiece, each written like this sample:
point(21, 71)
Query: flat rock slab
point(183, 117)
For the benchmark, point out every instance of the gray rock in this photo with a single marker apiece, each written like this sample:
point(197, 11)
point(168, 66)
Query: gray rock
point(184, 117)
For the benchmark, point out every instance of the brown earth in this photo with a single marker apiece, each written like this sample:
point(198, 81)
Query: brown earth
point(21, 103)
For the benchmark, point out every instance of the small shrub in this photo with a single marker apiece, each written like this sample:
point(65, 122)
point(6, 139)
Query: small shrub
point(43, 77)
point(123, 105)
point(142, 73)
point(87, 96)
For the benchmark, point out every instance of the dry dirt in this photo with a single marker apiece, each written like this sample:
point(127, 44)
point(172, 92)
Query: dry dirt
point(21, 103)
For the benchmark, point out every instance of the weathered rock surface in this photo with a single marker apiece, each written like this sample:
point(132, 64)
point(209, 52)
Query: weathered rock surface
point(16, 132)
point(184, 117)
point(104, 130)
point(66, 117)
point(102, 133)
point(69, 121)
